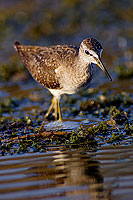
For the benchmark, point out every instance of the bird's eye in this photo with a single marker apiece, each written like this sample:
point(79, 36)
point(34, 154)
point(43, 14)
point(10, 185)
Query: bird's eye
point(87, 52)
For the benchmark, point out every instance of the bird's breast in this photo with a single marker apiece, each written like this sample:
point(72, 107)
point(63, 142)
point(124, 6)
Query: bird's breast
point(72, 79)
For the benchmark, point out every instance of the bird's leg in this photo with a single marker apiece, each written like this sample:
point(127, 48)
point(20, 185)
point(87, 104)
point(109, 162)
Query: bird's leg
point(56, 105)
point(56, 108)
point(50, 108)
point(59, 111)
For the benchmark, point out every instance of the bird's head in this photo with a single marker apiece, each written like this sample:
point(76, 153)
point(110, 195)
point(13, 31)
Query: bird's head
point(92, 50)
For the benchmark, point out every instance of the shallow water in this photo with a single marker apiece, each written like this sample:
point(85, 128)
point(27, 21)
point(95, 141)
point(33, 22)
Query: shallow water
point(60, 172)
point(68, 174)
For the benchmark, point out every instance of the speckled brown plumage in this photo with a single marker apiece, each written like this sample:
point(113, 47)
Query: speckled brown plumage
point(62, 68)
point(42, 61)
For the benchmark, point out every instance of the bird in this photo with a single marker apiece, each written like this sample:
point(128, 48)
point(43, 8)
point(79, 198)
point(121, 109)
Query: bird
point(62, 69)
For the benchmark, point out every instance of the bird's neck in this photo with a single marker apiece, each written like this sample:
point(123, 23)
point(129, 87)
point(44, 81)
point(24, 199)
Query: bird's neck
point(83, 68)
point(83, 64)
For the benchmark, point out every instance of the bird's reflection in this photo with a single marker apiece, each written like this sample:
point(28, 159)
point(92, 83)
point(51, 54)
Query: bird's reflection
point(72, 169)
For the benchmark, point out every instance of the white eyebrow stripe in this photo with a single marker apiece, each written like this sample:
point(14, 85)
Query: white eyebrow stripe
point(93, 53)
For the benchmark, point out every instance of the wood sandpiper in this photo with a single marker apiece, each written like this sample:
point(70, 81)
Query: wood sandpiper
point(62, 69)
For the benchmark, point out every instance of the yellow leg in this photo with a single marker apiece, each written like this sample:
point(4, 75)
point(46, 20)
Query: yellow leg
point(59, 111)
point(50, 108)
point(56, 108)
point(56, 105)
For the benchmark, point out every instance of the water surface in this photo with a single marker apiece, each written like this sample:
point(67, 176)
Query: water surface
point(61, 173)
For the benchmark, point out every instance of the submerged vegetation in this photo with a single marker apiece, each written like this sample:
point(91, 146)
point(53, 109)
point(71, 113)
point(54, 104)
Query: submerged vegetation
point(28, 133)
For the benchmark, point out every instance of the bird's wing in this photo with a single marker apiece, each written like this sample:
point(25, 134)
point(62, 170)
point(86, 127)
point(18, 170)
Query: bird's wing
point(42, 62)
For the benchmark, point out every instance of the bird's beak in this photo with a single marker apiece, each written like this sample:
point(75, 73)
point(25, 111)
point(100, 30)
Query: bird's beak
point(100, 64)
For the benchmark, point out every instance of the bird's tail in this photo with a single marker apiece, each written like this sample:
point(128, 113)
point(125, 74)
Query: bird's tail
point(22, 51)
point(17, 45)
